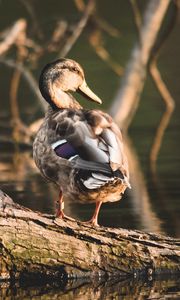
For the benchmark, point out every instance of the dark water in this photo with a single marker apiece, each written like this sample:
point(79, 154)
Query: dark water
point(153, 202)
point(84, 290)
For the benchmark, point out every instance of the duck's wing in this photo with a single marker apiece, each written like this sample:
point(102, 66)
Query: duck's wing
point(92, 137)
point(109, 135)
point(92, 142)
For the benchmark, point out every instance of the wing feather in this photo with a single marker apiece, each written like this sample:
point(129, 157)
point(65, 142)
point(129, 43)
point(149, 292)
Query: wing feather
point(96, 138)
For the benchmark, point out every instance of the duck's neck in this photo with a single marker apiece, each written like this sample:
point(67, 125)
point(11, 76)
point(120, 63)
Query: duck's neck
point(61, 99)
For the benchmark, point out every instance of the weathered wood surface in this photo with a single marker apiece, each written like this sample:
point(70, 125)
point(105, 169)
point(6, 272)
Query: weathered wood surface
point(33, 244)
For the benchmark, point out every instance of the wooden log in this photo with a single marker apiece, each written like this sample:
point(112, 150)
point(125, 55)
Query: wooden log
point(32, 244)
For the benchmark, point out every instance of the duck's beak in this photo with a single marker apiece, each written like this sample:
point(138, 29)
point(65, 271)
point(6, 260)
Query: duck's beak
point(85, 91)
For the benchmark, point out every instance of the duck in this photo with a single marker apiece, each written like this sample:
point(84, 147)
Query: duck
point(80, 150)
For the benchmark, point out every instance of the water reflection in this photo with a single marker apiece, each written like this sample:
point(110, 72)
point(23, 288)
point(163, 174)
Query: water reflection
point(84, 289)
point(168, 202)
point(19, 178)
point(140, 198)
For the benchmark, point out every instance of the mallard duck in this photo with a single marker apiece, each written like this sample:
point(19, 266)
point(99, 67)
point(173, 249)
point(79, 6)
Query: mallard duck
point(80, 150)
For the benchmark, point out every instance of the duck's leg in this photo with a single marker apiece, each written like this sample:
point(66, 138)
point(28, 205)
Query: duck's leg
point(60, 208)
point(94, 219)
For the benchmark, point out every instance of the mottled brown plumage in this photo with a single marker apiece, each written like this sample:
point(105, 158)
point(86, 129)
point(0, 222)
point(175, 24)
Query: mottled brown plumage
point(79, 150)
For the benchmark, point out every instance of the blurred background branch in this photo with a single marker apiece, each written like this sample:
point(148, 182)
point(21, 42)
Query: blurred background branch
point(127, 98)
point(162, 87)
point(77, 30)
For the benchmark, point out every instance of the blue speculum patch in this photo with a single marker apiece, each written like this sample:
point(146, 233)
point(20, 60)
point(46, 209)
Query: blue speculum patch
point(65, 150)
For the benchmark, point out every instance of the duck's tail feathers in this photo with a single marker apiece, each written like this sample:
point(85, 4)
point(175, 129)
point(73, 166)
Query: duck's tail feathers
point(93, 175)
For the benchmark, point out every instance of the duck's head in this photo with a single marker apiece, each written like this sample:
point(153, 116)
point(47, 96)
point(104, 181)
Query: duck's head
point(63, 76)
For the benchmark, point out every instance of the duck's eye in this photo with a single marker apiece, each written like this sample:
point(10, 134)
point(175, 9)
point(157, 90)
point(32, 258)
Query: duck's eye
point(74, 69)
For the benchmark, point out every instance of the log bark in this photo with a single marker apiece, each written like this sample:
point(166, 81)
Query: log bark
point(32, 244)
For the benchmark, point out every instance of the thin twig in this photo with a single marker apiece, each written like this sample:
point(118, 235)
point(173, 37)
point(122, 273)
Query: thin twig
point(57, 35)
point(28, 77)
point(12, 35)
point(98, 22)
point(20, 130)
point(32, 13)
point(13, 95)
point(136, 14)
point(78, 29)
point(95, 37)
point(96, 42)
